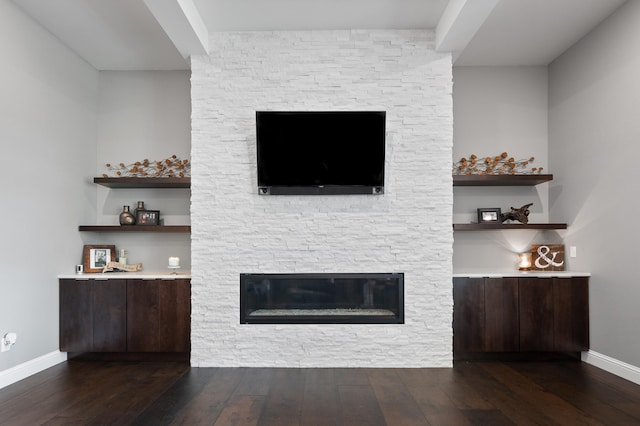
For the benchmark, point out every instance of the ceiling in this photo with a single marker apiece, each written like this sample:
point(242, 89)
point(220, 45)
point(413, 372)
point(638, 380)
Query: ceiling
point(143, 34)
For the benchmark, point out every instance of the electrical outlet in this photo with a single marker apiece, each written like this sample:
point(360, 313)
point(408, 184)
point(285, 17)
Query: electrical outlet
point(7, 341)
point(572, 251)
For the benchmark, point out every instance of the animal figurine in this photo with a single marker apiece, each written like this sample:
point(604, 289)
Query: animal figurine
point(521, 214)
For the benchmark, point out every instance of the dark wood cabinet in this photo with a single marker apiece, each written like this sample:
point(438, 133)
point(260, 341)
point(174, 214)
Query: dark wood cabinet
point(485, 315)
point(109, 316)
point(92, 315)
point(501, 315)
point(571, 313)
point(468, 316)
point(520, 315)
point(158, 311)
point(76, 316)
point(117, 315)
point(536, 314)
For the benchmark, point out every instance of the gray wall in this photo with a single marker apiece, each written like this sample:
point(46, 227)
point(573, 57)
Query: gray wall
point(47, 134)
point(594, 130)
point(499, 109)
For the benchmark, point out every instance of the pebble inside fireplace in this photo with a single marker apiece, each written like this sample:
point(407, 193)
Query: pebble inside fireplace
point(376, 298)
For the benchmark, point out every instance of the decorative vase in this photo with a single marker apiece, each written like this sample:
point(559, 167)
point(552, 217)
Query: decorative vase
point(140, 207)
point(126, 218)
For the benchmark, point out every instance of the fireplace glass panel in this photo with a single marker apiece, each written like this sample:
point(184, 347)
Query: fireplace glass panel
point(322, 298)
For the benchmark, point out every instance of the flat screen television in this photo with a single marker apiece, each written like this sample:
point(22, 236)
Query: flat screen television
point(320, 152)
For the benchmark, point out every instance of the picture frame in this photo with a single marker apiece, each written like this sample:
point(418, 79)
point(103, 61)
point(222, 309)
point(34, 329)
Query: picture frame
point(490, 215)
point(148, 217)
point(96, 257)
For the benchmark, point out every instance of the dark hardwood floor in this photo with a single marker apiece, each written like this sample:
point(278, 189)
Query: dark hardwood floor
point(472, 393)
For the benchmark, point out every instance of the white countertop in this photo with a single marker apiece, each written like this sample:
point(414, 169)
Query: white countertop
point(165, 275)
point(142, 275)
point(515, 273)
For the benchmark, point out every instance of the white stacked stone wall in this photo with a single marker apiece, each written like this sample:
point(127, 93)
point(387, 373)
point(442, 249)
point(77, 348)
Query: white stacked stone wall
point(408, 229)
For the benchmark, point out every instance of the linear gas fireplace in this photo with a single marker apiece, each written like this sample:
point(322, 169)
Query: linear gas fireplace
point(326, 298)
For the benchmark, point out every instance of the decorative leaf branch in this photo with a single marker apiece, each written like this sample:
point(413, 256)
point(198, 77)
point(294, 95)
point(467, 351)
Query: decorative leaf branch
point(169, 167)
point(498, 165)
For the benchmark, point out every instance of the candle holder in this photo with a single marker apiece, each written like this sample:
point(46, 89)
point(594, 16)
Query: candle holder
point(524, 261)
point(174, 264)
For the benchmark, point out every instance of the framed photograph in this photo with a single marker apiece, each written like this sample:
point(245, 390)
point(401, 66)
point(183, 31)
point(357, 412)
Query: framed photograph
point(489, 216)
point(94, 258)
point(148, 217)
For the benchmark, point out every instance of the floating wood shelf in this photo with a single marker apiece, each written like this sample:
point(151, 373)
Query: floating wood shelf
point(135, 228)
point(500, 180)
point(505, 226)
point(143, 182)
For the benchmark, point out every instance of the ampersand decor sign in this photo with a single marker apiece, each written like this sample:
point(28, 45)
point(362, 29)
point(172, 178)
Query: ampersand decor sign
point(548, 257)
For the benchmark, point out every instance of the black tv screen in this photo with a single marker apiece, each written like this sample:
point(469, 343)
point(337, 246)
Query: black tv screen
point(320, 152)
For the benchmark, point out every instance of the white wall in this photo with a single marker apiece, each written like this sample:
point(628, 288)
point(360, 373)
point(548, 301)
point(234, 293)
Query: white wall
point(594, 131)
point(499, 109)
point(47, 134)
point(408, 229)
point(144, 114)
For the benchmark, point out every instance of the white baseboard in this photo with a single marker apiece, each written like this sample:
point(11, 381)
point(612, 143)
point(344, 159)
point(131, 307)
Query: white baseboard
point(613, 366)
point(29, 368)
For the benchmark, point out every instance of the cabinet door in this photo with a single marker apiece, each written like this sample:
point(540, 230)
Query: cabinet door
point(76, 316)
point(536, 314)
point(109, 315)
point(92, 315)
point(158, 315)
point(175, 316)
point(571, 314)
point(501, 315)
point(468, 315)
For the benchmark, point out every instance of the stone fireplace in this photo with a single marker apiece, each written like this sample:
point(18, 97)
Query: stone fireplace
point(408, 228)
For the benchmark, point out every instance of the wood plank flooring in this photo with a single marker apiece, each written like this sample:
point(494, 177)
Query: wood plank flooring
point(472, 393)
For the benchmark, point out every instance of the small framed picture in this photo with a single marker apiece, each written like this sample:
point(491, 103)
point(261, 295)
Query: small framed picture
point(94, 258)
point(148, 217)
point(489, 215)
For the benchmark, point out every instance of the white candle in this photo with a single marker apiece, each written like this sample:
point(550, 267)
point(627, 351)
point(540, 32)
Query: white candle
point(174, 261)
